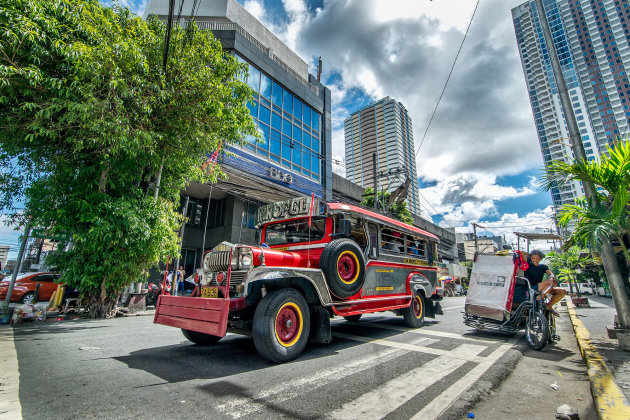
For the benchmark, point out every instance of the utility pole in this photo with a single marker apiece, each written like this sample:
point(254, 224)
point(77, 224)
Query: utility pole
point(375, 181)
point(179, 250)
point(18, 264)
point(613, 273)
point(475, 225)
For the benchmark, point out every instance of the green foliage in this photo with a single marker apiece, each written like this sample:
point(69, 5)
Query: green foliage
point(608, 214)
point(398, 211)
point(565, 263)
point(90, 121)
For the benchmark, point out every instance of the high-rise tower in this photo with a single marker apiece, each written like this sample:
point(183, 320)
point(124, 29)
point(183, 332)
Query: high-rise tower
point(384, 128)
point(591, 38)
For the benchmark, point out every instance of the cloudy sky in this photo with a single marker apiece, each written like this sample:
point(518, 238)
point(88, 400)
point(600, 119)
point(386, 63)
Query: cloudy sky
point(480, 158)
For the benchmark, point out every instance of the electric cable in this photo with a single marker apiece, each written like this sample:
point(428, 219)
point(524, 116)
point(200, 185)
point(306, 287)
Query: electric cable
point(447, 80)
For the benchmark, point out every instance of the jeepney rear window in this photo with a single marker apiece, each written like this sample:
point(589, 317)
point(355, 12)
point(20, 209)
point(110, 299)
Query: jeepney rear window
point(295, 231)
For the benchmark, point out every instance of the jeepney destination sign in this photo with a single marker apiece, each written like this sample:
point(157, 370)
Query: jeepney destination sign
point(296, 207)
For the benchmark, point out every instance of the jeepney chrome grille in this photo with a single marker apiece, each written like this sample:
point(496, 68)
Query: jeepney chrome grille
point(236, 278)
point(219, 261)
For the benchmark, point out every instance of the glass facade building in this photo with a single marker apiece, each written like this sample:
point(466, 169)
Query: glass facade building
point(591, 38)
point(290, 129)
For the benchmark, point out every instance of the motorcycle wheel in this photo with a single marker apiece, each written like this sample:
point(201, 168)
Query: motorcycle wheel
point(537, 330)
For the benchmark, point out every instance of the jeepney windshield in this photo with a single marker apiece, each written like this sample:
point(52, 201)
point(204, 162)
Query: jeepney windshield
point(295, 231)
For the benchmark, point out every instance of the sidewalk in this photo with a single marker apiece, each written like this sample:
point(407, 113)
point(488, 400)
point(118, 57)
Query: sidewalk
point(542, 381)
point(608, 367)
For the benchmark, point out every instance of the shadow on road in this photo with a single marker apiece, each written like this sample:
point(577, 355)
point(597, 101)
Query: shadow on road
point(234, 354)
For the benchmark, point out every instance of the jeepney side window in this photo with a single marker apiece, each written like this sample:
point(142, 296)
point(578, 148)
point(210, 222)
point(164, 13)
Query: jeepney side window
point(412, 247)
point(373, 232)
point(358, 233)
point(391, 241)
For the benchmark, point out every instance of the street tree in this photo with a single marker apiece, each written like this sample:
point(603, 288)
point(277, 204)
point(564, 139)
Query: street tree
point(97, 140)
point(398, 210)
point(566, 263)
point(604, 216)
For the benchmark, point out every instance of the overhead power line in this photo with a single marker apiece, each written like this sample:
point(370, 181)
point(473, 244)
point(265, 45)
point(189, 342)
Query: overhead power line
point(447, 79)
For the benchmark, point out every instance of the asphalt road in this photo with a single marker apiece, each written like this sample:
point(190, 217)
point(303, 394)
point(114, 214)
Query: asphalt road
point(131, 368)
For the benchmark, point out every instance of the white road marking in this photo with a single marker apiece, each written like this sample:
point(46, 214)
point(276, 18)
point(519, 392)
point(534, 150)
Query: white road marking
point(423, 331)
point(470, 357)
point(439, 404)
point(381, 401)
point(10, 407)
point(239, 407)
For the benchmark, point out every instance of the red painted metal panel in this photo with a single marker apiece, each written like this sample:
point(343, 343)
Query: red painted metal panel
point(362, 306)
point(203, 315)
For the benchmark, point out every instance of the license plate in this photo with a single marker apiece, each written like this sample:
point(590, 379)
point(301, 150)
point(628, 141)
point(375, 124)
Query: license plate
point(209, 292)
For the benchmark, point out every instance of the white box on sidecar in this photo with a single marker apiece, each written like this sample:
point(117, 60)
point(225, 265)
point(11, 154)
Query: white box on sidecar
point(491, 286)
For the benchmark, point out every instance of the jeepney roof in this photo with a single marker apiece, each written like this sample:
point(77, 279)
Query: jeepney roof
point(335, 208)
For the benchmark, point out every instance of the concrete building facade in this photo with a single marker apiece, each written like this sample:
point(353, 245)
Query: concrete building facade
point(591, 38)
point(385, 128)
point(292, 111)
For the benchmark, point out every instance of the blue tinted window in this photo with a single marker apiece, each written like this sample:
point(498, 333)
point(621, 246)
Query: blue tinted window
point(253, 80)
point(297, 155)
point(315, 122)
point(286, 148)
point(276, 97)
point(253, 108)
point(306, 160)
point(306, 118)
point(274, 141)
point(265, 136)
point(265, 114)
point(315, 165)
point(315, 144)
point(286, 127)
point(306, 139)
point(250, 141)
point(265, 86)
point(297, 134)
point(287, 105)
point(297, 109)
point(276, 121)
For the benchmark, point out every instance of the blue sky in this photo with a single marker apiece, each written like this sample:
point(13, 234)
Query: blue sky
point(480, 158)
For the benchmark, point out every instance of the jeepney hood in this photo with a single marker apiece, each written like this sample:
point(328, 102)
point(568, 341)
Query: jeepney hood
point(219, 258)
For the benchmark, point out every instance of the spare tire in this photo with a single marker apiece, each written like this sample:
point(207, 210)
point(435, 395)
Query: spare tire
point(344, 267)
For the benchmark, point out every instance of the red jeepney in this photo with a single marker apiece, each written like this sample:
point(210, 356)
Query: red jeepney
point(314, 262)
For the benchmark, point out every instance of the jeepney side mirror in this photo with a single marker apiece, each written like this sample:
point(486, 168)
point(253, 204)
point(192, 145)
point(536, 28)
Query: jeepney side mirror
point(257, 237)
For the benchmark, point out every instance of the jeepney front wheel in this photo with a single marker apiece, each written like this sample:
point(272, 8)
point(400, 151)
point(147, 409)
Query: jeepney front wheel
point(200, 339)
point(281, 325)
point(414, 313)
point(344, 266)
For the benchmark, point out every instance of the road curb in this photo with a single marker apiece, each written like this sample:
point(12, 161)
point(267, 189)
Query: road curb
point(610, 401)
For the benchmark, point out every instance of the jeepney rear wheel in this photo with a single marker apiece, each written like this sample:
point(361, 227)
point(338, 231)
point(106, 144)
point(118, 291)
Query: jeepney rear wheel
point(344, 267)
point(281, 325)
point(414, 313)
point(352, 318)
point(200, 339)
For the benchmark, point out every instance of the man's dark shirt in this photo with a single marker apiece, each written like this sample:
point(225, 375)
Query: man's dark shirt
point(535, 273)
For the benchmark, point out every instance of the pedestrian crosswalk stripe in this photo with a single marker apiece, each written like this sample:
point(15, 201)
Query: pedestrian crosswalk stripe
point(439, 404)
point(412, 347)
point(425, 331)
point(240, 407)
point(381, 401)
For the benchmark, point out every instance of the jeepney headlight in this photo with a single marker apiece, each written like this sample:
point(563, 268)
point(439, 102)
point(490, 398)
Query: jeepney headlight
point(245, 257)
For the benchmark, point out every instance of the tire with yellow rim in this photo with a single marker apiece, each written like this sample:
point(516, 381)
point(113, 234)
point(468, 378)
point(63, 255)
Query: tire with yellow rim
point(414, 314)
point(344, 267)
point(281, 325)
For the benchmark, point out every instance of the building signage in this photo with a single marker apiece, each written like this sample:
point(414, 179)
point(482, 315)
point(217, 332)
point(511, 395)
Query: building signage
point(295, 207)
point(278, 175)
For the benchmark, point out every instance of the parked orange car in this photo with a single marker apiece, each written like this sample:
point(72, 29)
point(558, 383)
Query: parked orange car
point(25, 284)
